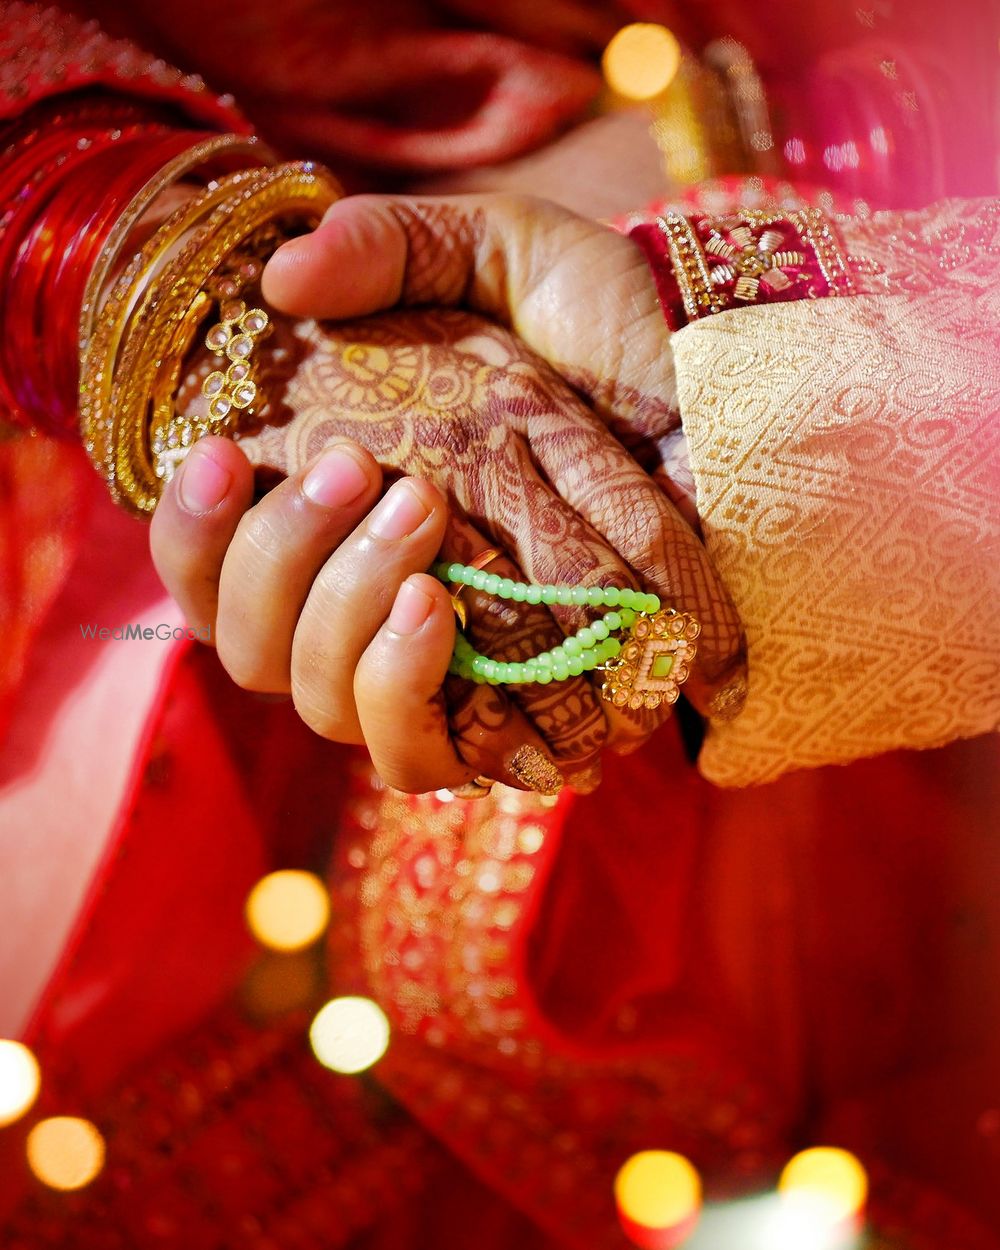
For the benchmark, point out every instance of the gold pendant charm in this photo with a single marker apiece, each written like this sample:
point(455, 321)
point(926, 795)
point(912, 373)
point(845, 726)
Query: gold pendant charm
point(654, 662)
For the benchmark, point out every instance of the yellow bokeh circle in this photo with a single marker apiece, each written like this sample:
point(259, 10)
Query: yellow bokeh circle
point(658, 1189)
point(288, 910)
point(65, 1152)
point(19, 1080)
point(349, 1034)
point(641, 61)
point(830, 1182)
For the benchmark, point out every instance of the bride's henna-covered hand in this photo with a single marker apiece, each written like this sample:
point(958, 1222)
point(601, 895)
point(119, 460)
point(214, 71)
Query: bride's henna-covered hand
point(453, 398)
point(575, 292)
point(578, 293)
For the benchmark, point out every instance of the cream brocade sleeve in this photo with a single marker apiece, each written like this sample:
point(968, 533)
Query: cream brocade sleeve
point(847, 459)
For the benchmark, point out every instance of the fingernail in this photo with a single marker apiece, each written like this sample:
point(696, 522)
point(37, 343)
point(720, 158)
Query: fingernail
point(409, 611)
point(291, 249)
point(335, 480)
point(535, 770)
point(727, 703)
point(204, 483)
point(400, 513)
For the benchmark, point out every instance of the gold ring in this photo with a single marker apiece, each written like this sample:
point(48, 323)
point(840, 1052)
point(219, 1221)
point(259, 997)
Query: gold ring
point(480, 562)
point(477, 788)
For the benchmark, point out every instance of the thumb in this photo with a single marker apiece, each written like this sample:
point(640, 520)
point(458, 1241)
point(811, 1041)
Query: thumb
point(374, 252)
point(577, 293)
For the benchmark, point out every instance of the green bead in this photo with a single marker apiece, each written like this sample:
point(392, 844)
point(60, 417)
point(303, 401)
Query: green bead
point(627, 598)
point(492, 583)
point(613, 647)
point(453, 573)
point(533, 594)
point(652, 605)
point(549, 594)
point(628, 618)
point(613, 621)
point(589, 658)
point(612, 596)
point(506, 588)
point(544, 660)
point(479, 665)
point(572, 646)
point(558, 655)
point(595, 596)
point(560, 671)
point(479, 579)
point(564, 595)
point(519, 593)
point(543, 676)
point(599, 629)
point(575, 665)
point(585, 636)
point(516, 673)
point(530, 669)
point(580, 594)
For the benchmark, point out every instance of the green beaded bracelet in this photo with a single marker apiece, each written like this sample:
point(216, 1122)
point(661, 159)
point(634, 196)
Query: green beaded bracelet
point(644, 650)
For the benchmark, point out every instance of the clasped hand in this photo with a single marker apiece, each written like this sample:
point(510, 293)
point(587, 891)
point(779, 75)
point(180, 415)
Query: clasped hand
point(524, 347)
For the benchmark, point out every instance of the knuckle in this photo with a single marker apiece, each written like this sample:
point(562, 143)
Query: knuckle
point(249, 669)
point(319, 705)
point(405, 774)
point(261, 538)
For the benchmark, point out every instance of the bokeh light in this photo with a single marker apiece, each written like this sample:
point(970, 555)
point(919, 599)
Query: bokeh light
point(659, 1198)
point(288, 910)
point(19, 1080)
point(349, 1034)
point(824, 1187)
point(641, 61)
point(65, 1152)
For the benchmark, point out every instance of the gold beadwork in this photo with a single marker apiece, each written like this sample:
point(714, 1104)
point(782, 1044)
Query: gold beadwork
point(655, 660)
point(748, 260)
point(153, 314)
point(181, 166)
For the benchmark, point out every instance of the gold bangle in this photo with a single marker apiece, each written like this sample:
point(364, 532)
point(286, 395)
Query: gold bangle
point(457, 602)
point(154, 311)
point(224, 395)
point(246, 146)
point(97, 365)
point(292, 190)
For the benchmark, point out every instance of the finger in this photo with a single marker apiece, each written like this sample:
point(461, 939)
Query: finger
point(194, 523)
point(554, 545)
point(350, 599)
point(279, 547)
point(568, 715)
point(402, 712)
point(597, 478)
point(516, 258)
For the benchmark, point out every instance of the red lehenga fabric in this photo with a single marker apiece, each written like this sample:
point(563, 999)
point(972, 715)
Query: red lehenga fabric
point(731, 975)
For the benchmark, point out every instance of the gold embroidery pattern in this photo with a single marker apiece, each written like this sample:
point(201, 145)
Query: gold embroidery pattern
point(846, 455)
point(721, 263)
point(433, 900)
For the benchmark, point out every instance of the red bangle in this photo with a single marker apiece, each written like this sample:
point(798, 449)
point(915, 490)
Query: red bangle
point(83, 230)
point(20, 272)
point(38, 151)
